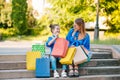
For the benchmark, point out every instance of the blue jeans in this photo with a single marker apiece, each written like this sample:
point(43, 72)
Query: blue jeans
point(53, 63)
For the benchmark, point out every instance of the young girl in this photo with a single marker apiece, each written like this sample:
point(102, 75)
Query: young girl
point(55, 29)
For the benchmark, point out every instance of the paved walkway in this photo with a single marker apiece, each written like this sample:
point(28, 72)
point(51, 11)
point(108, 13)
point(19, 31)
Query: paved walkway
point(18, 44)
point(16, 47)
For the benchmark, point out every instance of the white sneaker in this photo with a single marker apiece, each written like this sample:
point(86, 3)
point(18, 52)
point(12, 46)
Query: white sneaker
point(63, 74)
point(56, 75)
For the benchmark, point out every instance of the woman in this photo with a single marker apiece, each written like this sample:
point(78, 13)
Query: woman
point(77, 36)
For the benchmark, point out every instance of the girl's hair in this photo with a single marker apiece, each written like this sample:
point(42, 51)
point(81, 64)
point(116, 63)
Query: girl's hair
point(52, 26)
point(80, 22)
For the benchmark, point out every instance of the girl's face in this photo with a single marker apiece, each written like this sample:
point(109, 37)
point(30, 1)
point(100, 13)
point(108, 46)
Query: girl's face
point(56, 30)
point(76, 27)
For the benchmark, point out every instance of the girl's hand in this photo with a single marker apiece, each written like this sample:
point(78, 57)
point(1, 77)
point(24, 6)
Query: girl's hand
point(56, 35)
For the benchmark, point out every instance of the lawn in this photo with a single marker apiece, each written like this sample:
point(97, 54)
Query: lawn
point(109, 39)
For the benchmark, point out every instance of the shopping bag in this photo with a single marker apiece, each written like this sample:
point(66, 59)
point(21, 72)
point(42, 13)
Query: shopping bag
point(60, 47)
point(39, 47)
point(69, 56)
point(31, 59)
point(81, 55)
point(42, 67)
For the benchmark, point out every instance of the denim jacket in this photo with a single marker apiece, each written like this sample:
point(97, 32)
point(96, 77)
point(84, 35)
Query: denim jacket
point(73, 40)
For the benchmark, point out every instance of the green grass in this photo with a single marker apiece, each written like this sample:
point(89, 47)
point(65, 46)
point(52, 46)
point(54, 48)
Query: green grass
point(108, 41)
point(28, 38)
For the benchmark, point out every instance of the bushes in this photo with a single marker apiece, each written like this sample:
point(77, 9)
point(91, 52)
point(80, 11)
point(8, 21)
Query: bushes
point(19, 9)
point(5, 33)
point(33, 31)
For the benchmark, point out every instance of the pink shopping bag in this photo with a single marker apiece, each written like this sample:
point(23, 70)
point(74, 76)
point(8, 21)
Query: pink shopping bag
point(60, 47)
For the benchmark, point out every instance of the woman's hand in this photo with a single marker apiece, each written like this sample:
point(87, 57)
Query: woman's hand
point(74, 32)
point(72, 46)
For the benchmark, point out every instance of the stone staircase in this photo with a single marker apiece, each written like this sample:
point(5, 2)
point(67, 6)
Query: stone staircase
point(101, 67)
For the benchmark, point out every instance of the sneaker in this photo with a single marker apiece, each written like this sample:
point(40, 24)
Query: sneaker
point(56, 75)
point(63, 74)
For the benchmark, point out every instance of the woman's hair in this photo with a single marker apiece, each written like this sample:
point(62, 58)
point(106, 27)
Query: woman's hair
point(80, 22)
point(52, 26)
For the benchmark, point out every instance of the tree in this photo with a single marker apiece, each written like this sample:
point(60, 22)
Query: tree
point(5, 12)
point(64, 12)
point(19, 20)
point(111, 9)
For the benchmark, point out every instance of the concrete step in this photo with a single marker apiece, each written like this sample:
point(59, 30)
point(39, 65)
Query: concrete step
point(22, 57)
point(7, 65)
point(89, 77)
point(101, 55)
point(100, 70)
point(101, 62)
point(7, 74)
point(12, 57)
point(100, 50)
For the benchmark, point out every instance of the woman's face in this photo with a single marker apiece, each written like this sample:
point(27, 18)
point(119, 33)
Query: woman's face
point(56, 30)
point(76, 27)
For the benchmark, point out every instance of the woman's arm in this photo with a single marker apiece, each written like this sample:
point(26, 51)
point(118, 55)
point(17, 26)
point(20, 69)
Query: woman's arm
point(86, 42)
point(70, 35)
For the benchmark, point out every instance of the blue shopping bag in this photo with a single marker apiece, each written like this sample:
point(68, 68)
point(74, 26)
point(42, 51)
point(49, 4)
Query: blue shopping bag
point(42, 67)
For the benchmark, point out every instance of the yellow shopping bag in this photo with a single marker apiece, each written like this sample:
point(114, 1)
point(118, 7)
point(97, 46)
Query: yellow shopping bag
point(31, 59)
point(69, 57)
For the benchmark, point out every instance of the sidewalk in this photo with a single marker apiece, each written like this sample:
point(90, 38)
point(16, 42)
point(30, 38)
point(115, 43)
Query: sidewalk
point(17, 44)
point(17, 47)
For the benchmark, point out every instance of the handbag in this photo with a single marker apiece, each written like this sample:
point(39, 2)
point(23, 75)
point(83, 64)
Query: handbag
point(31, 59)
point(60, 47)
point(42, 67)
point(39, 47)
point(81, 55)
point(69, 57)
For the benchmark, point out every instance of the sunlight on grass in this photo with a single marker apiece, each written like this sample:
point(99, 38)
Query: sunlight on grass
point(109, 39)
point(33, 38)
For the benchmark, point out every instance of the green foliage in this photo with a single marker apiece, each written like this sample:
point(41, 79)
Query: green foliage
point(5, 33)
point(64, 12)
point(111, 9)
point(5, 12)
point(31, 21)
point(32, 25)
point(19, 9)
